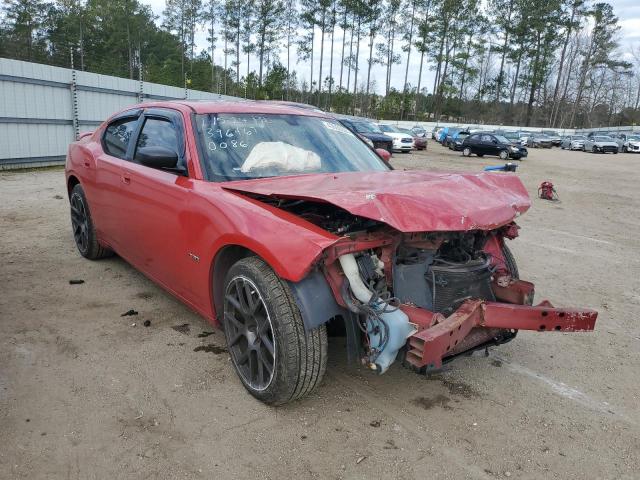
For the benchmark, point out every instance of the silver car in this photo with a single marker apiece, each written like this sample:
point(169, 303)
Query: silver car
point(573, 142)
point(629, 142)
point(600, 144)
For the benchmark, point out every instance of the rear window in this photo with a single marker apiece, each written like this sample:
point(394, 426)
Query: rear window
point(117, 137)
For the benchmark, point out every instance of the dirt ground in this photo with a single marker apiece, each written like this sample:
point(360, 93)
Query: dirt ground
point(85, 394)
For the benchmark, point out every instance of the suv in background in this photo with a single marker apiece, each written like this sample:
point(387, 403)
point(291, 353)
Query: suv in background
point(368, 132)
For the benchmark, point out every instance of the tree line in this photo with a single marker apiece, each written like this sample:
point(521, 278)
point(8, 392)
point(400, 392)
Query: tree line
point(555, 63)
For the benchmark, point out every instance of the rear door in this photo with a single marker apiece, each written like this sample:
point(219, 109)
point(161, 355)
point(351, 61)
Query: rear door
point(488, 146)
point(154, 222)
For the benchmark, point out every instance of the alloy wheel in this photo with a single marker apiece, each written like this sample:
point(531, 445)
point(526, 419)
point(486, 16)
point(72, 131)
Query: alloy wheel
point(79, 222)
point(249, 333)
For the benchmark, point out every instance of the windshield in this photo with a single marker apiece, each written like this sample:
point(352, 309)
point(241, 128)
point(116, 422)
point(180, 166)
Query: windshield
point(463, 135)
point(603, 139)
point(578, 137)
point(633, 138)
point(502, 139)
point(245, 146)
point(419, 130)
point(389, 128)
point(550, 133)
point(364, 127)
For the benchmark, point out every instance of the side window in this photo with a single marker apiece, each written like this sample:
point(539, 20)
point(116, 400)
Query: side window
point(158, 133)
point(486, 138)
point(117, 136)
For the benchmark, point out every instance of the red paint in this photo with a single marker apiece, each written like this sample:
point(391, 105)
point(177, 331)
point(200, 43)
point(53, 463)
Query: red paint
point(409, 201)
point(430, 345)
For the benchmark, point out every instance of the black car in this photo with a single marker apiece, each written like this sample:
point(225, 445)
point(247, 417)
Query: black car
point(483, 143)
point(368, 131)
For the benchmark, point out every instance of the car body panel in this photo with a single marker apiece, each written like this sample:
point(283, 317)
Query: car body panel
point(415, 201)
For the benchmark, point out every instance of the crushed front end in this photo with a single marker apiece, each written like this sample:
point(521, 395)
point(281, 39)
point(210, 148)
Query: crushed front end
point(432, 296)
point(418, 265)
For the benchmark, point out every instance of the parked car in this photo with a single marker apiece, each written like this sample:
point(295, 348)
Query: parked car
point(419, 141)
point(449, 137)
point(435, 133)
point(274, 221)
point(483, 144)
point(402, 142)
point(512, 136)
point(524, 137)
point(458, 139)
point(370, 131)
point(556, 139)
point(600, 144)
point(573, 142)
point(539, 140)
point(628, 142)
point(418, 131)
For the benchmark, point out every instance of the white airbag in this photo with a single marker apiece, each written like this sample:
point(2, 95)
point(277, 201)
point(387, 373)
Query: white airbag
point(282, 157)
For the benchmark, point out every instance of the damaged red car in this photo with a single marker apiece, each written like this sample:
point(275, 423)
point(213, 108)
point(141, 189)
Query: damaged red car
point(276, 222)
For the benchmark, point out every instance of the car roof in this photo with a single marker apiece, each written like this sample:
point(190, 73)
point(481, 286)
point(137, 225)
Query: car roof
point(241, 106)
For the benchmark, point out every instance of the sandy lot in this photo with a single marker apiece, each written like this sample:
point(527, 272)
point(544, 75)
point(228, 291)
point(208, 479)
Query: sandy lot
point(84, 394)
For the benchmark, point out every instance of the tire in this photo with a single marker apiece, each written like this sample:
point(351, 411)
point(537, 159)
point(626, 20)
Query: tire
point(84, 233)
point(481, 154)
point(584, 149)
point(504, 155)
point(298, 359)
point(466, 152)
point(593, 149)
point(624, 149)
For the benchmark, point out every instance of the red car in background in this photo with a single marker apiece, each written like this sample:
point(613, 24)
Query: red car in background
point(274, 221)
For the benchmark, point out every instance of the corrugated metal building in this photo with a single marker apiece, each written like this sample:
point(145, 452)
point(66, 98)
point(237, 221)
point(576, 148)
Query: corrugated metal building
point(42, 108)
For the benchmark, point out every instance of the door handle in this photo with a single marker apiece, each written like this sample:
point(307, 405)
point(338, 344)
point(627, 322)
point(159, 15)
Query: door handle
point(126, 179)
point(87, 163)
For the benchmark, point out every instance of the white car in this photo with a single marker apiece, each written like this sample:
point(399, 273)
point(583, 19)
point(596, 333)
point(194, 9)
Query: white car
point(631, 144)
point(600, 144)
point(401, 141)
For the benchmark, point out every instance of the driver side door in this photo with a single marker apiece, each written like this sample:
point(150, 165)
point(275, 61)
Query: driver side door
point(154, 222)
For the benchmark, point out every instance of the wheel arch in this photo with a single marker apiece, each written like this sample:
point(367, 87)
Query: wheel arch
point(72, 181)
point(308, 292)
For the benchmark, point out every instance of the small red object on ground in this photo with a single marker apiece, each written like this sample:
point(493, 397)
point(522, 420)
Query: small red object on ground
point(546, 191)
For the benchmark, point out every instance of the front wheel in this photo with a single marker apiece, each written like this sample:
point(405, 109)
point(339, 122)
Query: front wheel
point(503, 155)
point(466, 152)
point(624, 149)
point(594, 149)
point(275, 358)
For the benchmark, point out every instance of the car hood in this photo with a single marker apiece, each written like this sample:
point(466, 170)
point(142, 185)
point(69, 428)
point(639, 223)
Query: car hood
point(413, 201)
point(398, 136)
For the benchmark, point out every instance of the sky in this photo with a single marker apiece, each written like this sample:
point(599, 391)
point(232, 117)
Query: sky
point(628, 12)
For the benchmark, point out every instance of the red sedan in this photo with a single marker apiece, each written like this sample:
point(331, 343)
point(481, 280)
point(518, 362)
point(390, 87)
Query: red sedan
point(275, 221)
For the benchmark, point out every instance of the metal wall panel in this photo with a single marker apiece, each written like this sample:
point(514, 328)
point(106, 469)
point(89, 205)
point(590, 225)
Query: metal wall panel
point(36, 107)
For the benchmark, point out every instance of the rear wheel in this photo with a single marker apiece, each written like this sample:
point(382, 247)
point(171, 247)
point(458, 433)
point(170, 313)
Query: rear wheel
point(466, 152)
point(84, 233)
point(275, 358)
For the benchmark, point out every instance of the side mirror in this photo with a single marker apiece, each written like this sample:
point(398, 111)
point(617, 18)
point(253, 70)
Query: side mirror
point(383, 154)
point(494, 141)
point(157, 157)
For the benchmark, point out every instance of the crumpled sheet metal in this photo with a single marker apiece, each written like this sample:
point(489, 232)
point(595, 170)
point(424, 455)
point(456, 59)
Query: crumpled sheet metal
point(415, 201)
